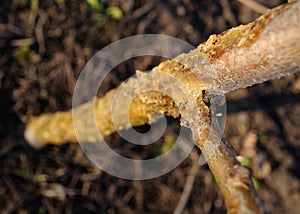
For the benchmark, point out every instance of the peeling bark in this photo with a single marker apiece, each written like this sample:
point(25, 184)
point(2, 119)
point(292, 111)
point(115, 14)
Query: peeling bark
point(262, 50)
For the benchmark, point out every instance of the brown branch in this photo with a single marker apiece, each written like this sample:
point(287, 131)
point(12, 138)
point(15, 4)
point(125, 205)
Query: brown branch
point(188, 184)
point(265, 49)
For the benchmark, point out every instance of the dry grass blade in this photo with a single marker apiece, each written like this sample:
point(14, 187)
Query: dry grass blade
point(257, 7)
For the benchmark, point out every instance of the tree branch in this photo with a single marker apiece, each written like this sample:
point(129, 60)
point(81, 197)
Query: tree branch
point(265, 49)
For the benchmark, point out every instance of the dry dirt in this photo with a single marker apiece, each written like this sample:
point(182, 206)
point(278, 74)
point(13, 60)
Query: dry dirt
point(60, 36)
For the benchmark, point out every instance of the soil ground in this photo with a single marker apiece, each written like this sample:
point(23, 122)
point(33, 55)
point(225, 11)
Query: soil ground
point(43, 48)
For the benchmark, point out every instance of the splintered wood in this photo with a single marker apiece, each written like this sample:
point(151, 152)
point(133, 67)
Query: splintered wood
point(265, 49)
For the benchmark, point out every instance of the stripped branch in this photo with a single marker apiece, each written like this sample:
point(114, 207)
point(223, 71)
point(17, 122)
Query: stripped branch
point(265, 49)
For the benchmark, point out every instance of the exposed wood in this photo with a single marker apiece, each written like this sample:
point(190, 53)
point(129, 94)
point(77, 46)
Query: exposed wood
point(265, 49)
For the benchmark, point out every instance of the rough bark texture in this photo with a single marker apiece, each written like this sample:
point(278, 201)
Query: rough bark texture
point(265, 49)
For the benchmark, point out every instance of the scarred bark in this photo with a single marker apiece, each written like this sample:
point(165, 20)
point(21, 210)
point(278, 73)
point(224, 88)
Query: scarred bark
point(265, 49)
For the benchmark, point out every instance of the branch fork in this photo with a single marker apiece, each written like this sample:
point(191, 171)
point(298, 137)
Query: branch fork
point(262, 50)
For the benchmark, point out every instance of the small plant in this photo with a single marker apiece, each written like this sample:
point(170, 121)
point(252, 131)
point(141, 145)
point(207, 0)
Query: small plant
point(30, 176)
point(26, 53)
point(101, 9)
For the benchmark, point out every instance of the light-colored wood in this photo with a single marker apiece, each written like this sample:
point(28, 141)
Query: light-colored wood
point(265, 49)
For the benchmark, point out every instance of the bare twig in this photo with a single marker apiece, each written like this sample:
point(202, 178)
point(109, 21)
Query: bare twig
point(22, 42)
point(188, 184)
point(227, 12)
point(39, 32)
point(257, 7)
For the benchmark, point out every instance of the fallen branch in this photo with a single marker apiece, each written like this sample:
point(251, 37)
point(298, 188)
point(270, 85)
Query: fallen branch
point(265, 49)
